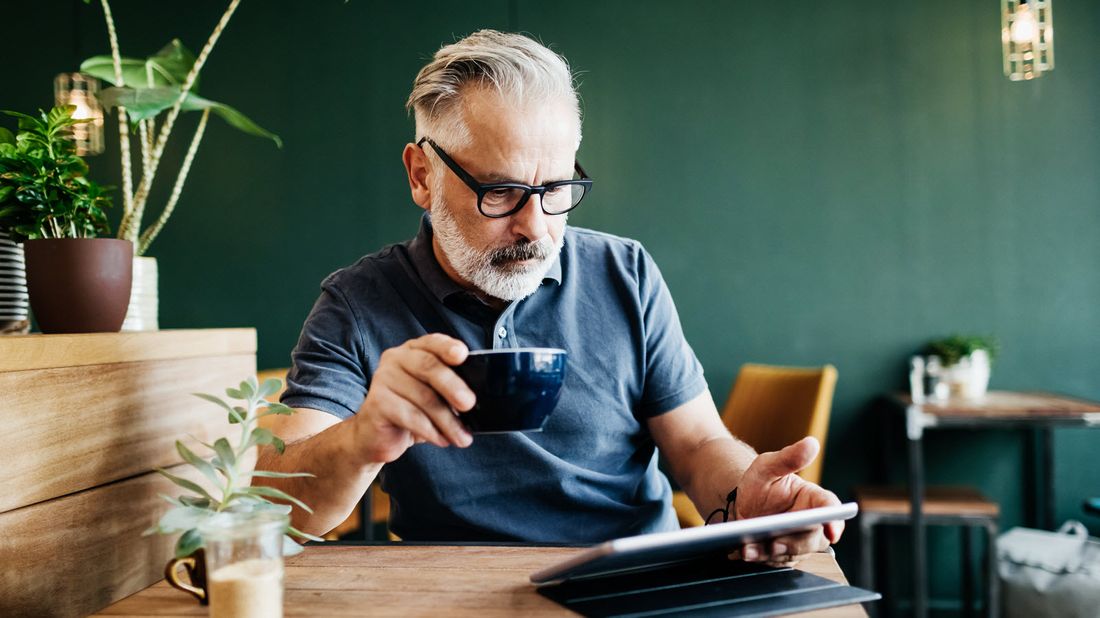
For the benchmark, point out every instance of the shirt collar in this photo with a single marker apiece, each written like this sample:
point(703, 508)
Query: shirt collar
point(438, 281)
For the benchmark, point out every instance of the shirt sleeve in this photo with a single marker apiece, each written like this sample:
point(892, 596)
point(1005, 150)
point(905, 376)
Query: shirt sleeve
point(673, 375)
point(327, 368)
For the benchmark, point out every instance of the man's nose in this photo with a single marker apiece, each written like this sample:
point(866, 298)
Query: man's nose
point(531, 222)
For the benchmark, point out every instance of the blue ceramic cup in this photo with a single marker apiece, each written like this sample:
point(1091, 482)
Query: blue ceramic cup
point(516, 388)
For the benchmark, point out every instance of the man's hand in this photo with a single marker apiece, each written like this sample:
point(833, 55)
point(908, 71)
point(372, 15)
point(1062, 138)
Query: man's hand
point(413, 398)
point(771, 485)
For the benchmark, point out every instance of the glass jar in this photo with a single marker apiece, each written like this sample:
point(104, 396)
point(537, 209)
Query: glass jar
point(244, 563)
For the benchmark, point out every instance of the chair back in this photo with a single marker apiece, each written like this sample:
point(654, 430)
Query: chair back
point(770, 407)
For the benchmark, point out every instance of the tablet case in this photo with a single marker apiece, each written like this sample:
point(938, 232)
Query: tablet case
point(707, 586)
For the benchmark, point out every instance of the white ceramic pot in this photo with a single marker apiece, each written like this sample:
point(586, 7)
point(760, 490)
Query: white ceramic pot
point(142, 313)
point(970, 376)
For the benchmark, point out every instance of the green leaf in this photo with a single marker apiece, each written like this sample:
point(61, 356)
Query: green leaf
point(212, 399)
point(305, 535)
point(6, 136)
point(225, 452)
point(290, 546)
point(248, 388)
point(269, 387)
point(186, 484)
point(188, 543)
point(140, 103)
point(261, 436)
point(280, 475)
point(235, 118)
point(183, 518)
point(277, 408)
point(168, 67)
point(279, 445)
point(271, 492)
point(234, 393)
point(198, 462)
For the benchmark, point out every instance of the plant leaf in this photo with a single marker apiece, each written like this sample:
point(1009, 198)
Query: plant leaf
point(188, 543)
point(186, 484)
point(225, 452)
point(269, 387)
point(277, 408)
point(271, 492)
point(290, 546)
point(235, 118)
point(280, 475)
point(6, 136)
point(198, 462)
point(183, 518)
point(298, 533)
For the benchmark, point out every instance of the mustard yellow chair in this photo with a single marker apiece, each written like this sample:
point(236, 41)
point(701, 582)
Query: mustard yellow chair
point(380, 500)
point(770, 407)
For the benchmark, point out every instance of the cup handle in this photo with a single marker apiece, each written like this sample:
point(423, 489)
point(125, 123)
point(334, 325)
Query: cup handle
point(172, 575)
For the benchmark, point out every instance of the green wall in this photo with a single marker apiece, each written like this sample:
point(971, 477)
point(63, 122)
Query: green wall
point(820, 182)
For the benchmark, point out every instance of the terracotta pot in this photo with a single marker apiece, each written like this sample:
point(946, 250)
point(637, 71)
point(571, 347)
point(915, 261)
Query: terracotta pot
point(79, 285)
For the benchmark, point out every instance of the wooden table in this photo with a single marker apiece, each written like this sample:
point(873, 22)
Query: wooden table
point(417, 580)
point(1038, 412)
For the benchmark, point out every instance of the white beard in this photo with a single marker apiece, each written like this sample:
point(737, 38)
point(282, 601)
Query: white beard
point(493, 271)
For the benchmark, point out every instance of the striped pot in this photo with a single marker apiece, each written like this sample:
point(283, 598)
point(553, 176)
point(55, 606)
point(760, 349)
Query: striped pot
point(13, 288)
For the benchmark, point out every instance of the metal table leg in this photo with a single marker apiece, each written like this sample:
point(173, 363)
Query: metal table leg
point(914, 431)
point(1046, 452)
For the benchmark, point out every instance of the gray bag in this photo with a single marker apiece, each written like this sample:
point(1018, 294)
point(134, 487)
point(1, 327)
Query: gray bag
point(1050, 573)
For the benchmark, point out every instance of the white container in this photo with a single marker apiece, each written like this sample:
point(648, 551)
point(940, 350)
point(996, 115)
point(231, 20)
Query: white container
point(142, 312)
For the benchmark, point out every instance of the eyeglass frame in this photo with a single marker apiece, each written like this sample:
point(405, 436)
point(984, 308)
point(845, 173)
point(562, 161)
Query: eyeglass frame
point(480, 189)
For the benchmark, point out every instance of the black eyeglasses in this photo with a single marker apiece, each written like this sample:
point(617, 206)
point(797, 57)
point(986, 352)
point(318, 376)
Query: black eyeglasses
point(501, 199)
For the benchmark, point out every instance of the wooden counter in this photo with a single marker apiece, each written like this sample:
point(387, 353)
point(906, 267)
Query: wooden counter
point(418, 580)
point(85, 419)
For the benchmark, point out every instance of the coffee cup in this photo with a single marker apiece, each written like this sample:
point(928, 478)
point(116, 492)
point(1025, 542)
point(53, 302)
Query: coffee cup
point(516, 388)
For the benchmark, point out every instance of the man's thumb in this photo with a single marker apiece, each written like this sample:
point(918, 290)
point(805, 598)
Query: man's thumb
point(790, 459)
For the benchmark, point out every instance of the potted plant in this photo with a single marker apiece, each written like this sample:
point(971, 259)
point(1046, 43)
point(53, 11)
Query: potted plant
point(227, 469)
point(966, 362)
point(77, 282)
point(149, 94)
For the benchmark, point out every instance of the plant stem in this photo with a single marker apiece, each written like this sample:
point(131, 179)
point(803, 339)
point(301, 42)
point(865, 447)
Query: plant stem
point(142, 194)
point(123, 127)
point(152, 232)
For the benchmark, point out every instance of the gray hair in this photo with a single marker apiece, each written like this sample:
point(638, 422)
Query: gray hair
point(516, 66)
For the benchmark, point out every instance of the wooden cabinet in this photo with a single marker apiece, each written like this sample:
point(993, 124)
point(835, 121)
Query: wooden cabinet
point(84, 419)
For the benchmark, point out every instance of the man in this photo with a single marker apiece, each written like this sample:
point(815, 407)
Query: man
point(495, 266)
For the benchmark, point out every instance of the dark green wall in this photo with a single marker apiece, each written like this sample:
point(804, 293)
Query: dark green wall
point(820, 182)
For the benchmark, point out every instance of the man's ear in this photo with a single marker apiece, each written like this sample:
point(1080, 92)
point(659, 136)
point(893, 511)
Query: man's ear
point(416, 166)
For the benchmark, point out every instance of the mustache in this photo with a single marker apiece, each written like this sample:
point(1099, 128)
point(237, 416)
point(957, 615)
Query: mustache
point(538, 250)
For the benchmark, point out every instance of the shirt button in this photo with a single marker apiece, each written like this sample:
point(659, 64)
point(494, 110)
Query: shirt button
point(502, 333)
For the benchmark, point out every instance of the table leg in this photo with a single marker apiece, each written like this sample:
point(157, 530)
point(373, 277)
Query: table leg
point(1047, 453)
point(914, 431)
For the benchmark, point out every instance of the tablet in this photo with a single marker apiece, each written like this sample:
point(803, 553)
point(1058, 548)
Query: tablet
point(650, 550)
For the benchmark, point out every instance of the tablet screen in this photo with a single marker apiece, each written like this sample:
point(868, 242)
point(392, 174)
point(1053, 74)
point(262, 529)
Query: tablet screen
point(648, 550)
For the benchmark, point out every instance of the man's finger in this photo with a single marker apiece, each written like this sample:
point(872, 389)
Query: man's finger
point(427, 367)
point(798, 544)
point(788, 460)
point(427, 400)
point(450, 350)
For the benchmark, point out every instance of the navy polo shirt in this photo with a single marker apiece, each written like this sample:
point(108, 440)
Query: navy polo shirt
point(591, 474)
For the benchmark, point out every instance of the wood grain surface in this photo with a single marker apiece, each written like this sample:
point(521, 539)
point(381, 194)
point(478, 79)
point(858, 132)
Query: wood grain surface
point(417, 580)
point(38, 351)
point(1010, 405)
point(72, 428)
point(74, 555)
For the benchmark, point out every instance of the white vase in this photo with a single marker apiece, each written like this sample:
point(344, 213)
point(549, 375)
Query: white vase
point(142, 313)
point(970, 376)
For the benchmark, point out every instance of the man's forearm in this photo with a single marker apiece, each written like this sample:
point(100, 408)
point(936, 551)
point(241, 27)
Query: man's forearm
point(715, 468)
point(341, 476)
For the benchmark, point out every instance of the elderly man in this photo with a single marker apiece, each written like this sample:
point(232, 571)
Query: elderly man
point(495, 266)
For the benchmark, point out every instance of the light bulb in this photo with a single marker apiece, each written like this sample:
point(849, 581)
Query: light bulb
point(1025, 29)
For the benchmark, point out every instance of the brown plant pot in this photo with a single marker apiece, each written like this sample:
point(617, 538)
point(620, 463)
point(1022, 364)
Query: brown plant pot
point(79, 285)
